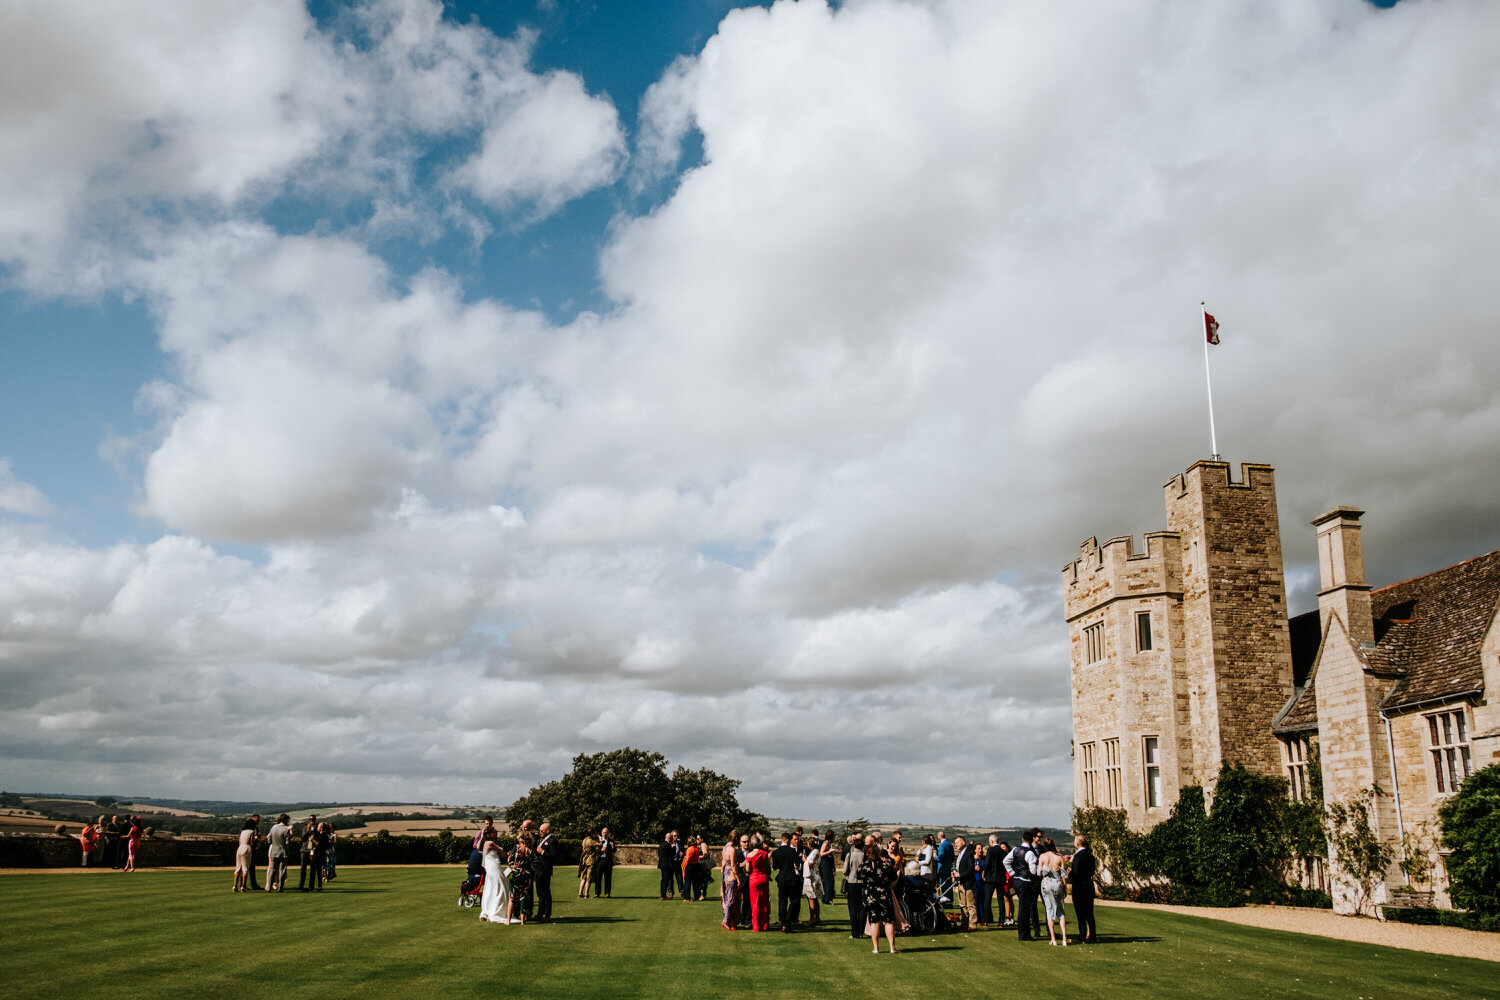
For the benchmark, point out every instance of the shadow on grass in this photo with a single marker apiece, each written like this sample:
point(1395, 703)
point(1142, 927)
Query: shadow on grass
point(935, 947)
point(591, 920)
point(1121, 939)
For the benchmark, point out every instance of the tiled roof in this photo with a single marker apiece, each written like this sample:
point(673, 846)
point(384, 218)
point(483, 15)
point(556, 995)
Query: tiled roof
point(1428, 634)
point(1301, 710)
point(1431, 629)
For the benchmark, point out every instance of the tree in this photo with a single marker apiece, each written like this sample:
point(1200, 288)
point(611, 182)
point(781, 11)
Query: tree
point(704, 802)
point(628, 790)
point(1246, 852)
point(1238, 851)
point(1174, 849)
point(1360, 857)
point(1471, 830)
point(1111, 840)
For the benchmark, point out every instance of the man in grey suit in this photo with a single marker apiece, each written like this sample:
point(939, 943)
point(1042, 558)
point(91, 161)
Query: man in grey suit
point(279, 838)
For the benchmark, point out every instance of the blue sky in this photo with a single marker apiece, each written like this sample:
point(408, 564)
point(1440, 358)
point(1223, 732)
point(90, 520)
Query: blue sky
point(470, 386)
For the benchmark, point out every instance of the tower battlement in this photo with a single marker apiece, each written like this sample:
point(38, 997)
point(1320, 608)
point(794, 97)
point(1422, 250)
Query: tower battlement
point(1211, 474)
point(1102, 573)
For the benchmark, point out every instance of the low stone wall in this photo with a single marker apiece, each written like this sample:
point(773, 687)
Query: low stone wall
point(54, 850)
point(636, 854)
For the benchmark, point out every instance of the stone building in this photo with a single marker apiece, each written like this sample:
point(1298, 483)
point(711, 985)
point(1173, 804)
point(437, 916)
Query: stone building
point(1184, 657)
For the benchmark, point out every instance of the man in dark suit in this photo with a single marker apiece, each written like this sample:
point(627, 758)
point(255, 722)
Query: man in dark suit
point(114, 845)
point(546, 858)
point(963, 880)
point(666, 861)
point(604, 865)
point(307, 874)
point(994, 882)
point(1081, 877)
point(787, 862)
point(744, 877)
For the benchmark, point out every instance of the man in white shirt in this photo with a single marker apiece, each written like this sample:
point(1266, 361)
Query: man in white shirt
point(1021, 862)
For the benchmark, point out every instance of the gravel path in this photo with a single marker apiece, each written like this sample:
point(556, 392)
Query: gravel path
point(1326, 923)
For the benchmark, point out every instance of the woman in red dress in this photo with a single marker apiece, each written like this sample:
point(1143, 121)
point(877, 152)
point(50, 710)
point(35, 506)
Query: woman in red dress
point(758, 864)
point(690, 870)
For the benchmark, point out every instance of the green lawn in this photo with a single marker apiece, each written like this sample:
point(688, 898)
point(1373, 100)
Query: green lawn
point(395, 932)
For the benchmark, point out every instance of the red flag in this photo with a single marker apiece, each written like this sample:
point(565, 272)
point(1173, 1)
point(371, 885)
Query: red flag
point(1211, 328)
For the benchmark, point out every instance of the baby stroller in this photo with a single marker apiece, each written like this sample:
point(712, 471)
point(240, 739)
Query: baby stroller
point(470, 889)
point(919, 904)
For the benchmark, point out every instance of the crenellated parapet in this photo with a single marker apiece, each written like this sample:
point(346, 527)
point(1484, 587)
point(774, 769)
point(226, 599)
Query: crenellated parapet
point(1212, 475)
point(1115, 570)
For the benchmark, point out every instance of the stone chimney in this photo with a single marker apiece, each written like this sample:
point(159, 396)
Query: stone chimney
point(1341, 573)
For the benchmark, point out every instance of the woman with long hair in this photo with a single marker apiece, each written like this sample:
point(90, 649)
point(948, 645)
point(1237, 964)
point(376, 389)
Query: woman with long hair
point(758, 864)
point(522, 871)
point(588, 856)
point(133, 843)
point(331, 864)
point(729, 882)
point(812, 885)
point(927, 859)
point(877, 880)
point(242, 856)
point(1051, 866)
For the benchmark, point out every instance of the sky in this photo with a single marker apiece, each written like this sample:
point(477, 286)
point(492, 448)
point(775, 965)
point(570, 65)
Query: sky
point(398, 399)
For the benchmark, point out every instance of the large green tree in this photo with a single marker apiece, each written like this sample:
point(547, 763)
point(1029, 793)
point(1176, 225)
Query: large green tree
point(1471, 830)
point(629, 791)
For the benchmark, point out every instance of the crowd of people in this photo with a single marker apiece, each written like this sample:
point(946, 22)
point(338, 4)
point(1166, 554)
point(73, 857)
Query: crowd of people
point(112, 844)
point(993, 884)
point(517, 885)
point(115, 843)
point(317, 848)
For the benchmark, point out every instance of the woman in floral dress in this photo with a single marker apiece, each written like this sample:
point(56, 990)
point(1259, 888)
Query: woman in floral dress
point(877, 877)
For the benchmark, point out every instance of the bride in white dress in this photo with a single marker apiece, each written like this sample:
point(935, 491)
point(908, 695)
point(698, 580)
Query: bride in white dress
point(496, 897)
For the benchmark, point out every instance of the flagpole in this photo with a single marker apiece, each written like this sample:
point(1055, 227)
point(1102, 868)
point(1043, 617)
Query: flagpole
point(1213, 437)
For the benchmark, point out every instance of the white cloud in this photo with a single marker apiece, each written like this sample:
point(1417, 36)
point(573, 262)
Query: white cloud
point(558, 143)
point(209, 107)
point(19, 497)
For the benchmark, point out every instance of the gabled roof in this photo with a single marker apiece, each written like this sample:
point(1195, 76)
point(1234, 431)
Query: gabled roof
point(1431, 629)
point(1428, 634)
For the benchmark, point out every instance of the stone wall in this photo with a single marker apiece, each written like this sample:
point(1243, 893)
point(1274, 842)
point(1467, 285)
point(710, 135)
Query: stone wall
point(1237, 667)
point(1127, 695)
point(1220, 663)
point(52, 850)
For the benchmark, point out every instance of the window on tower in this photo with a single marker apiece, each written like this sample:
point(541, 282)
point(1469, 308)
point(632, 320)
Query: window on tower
point(1093, 642)
point(1151, 754)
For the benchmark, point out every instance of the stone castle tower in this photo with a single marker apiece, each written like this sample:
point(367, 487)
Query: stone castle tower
point(1181, 654)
